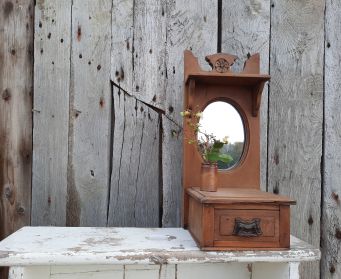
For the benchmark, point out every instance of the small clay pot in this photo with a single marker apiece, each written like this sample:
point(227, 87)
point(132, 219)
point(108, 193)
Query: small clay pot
point(209, 177)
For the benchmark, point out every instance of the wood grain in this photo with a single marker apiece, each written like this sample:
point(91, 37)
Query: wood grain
point(246, 30)
point(134, 195)
point(190, 25)
point(90, 114)
point(296, 113)
point(16, 93)
point(331, 210)
point(138, 50)
point(51, 111)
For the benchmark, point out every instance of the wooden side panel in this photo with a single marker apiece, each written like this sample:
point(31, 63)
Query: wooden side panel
point(284, 230)
point(51, 112)
point(134, 195)
point(195, 219)
point(16, 93)
point(246, 30)
point(90, 114)
point(296, 112)
point(331, 210)
point(190, 25)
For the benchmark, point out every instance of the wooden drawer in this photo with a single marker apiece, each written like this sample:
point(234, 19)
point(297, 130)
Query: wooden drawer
point(238, 226)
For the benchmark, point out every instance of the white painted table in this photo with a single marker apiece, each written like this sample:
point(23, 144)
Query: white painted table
point(103, 253)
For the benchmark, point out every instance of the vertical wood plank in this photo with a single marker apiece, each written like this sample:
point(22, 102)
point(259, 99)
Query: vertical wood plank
point(16, 93)
point(90, 114)
point(134, 195)
point(171, 173)
point(149, 51)
point(295, 114)
point(331, 210)
point(16, 65)
point(122, 48)
point(138, 50)
point(246, 30)
point(51, 111)
point(190, 25)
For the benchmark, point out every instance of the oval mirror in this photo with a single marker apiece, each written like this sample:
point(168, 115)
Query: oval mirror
point(220, 121)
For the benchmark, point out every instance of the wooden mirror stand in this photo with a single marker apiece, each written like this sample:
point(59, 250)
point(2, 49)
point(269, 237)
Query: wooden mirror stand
point(238, 215)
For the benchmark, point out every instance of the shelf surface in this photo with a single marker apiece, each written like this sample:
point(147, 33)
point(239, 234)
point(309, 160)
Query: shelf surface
point(228, 78)
point(32, 246)
point(235, 195)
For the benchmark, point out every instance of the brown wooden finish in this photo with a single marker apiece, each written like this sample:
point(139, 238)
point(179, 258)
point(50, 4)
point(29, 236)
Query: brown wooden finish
point(237, 215)
point(284, 219)
point(225, 221)
point(212, 225)
point(233, 195)
point(243, 91)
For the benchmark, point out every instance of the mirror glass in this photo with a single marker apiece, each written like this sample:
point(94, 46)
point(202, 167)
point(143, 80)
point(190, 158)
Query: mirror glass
point(220, 121)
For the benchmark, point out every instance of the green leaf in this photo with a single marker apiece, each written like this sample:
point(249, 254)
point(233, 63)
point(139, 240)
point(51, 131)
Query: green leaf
point(225, 158)
point(214, 157)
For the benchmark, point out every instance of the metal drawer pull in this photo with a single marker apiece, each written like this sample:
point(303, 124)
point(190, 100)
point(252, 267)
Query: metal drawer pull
point(247, 228)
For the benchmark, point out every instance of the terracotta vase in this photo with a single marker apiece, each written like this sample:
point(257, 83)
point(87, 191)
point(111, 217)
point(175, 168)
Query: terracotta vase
point(209, 177)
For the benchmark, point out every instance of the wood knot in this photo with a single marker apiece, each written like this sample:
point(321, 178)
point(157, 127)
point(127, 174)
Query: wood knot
point(310, 220)
point(335, 196)
point(101, 102)
point(8, 191)
point(79, 33)
point(338, 234)
point(20, 210)
point(6, 95)
point(332, 268)
point(8, 8)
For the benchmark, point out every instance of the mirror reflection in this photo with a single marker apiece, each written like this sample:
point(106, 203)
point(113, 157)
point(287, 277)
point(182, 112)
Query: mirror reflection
point(222, 121)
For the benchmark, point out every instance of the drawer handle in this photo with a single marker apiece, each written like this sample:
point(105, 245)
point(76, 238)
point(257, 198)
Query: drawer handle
point(247, 228)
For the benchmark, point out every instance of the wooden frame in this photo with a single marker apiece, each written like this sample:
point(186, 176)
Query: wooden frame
point(261, 219)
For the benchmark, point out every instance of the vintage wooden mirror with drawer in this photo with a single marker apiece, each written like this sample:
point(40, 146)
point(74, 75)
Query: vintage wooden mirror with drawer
point(224, 208)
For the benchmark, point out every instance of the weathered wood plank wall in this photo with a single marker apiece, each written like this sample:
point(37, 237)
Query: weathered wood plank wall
point(52, 46)
point(245, 31)
point(16, 93)
point(296, 114)
point(107, 139)
point(331, 202)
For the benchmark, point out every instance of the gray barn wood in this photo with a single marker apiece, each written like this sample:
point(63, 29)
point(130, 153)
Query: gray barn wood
point(331, 210)
point(245, 31)
point(16, 94)
point(90, 114)
point(51, 111)
point(134, 192)
point(190, 25)
point(296, 114)
point(139, 46)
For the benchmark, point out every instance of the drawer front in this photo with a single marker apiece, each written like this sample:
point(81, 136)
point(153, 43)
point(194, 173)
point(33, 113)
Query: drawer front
point(246, 225)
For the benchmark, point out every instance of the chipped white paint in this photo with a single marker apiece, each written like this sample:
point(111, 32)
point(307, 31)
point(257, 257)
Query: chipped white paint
point(96, 246)
point(117, 253)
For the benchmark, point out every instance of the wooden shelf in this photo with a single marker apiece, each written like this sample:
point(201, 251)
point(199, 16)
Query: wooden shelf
point(237, 195)
point(239, 79)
